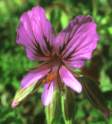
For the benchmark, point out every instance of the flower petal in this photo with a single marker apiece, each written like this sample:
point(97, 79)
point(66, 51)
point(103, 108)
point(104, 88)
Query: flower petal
point(75, 63)
point(69, 79)
point(35, 33)
point(47, 93)
point(78, 40)
point(66, 35)
point(34, 75)
point(84, 41)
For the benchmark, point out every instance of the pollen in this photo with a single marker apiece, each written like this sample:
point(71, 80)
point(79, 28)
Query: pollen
point(51, 76)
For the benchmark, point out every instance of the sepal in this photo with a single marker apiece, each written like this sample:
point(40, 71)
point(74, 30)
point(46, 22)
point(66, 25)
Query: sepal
point(94, 94)
point(22, 93)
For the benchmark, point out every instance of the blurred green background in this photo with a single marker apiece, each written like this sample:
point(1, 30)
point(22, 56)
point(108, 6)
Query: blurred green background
point(14, 64)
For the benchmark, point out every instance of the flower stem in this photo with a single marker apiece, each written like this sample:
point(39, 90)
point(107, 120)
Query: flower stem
point(65, 110)
point(95, 9)
point(53, 111)
point(48, 114)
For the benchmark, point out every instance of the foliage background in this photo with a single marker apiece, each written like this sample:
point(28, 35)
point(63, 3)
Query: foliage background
point(14, 64)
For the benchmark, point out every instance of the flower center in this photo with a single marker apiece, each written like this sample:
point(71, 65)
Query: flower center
point(50, 77)
point(55, 63)
point(55, 60)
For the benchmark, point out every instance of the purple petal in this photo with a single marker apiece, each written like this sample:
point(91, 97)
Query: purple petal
point(35, 33)
point(78, 40)
point(69, 79)
point(84, 40)
point(74, 63)
point(34, 75)
point(47, 93)
point(64, 37)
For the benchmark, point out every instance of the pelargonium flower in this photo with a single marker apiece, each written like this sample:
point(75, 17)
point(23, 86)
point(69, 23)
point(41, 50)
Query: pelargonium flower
point(58, 54)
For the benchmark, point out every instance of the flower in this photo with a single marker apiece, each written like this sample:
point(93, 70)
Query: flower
point(58, 54)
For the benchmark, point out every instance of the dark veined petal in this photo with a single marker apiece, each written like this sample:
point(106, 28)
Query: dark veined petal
point(35, 33)
point(69, 80)
point(85, 44)
point(47, 94)
point(34, 75)
point(76, 64)
point(78, 40)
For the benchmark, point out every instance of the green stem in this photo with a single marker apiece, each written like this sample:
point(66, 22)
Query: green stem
point(65, 110)
point(53, 111)
point(48, 114)
point(95, 9)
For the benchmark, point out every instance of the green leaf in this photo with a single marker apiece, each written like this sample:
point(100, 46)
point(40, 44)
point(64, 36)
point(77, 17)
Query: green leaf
point(93, 92)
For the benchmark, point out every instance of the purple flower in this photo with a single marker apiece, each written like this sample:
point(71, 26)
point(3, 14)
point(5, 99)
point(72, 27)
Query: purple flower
point(58, 54)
